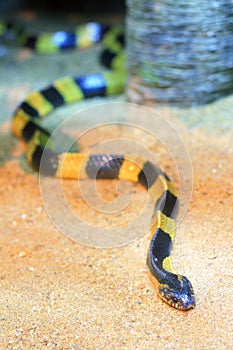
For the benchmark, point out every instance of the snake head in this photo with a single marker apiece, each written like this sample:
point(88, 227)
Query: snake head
point(181, 297)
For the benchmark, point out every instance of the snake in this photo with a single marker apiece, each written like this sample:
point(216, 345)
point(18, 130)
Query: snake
point(173, 288)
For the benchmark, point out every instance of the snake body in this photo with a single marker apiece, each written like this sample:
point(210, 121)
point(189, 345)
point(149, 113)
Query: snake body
point(173, 288)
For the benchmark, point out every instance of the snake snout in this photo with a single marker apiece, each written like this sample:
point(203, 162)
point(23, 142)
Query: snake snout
point(180, 298)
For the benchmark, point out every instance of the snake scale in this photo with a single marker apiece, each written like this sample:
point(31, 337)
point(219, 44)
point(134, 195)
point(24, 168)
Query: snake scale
point(173, 288)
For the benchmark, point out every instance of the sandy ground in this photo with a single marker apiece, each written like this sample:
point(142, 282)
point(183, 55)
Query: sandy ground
point(57, 294)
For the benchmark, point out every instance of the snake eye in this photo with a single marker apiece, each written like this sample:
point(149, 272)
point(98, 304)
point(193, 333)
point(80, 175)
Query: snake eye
point(175, 300)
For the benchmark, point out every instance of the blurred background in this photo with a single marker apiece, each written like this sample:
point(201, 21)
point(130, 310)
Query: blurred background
point(84, 6)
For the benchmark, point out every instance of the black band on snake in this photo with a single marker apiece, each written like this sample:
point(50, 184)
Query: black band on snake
point(175, 289)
